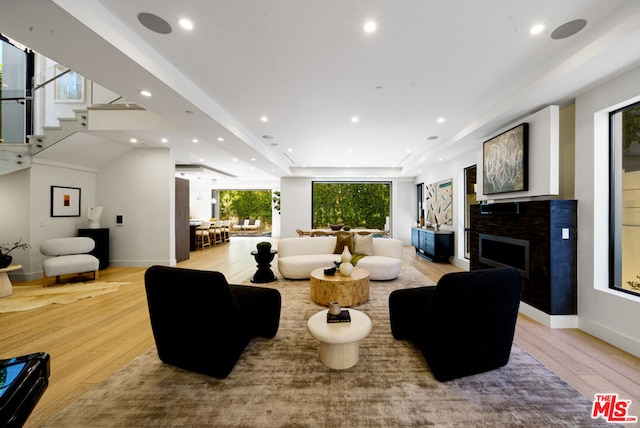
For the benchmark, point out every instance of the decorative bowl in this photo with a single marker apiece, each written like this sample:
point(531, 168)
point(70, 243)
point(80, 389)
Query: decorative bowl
point(330, 271)
point(335, 226)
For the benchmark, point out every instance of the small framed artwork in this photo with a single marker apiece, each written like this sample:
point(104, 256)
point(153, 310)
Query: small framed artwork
point(505, 162)
point(65, 201)
point(69, 87)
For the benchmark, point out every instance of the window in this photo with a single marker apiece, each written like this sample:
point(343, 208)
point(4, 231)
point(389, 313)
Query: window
point(355, 204)
point(624, 204)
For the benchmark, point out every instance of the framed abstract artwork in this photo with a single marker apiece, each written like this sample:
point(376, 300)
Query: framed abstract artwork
point(505, 161)
point(65, 201)
point(69, 87)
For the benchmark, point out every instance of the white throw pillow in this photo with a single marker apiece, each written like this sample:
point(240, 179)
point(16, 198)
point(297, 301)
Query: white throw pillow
point(363, 244)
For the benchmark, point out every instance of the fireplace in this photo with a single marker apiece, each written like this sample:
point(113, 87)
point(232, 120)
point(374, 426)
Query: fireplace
point(533, 239)
point(501, 251)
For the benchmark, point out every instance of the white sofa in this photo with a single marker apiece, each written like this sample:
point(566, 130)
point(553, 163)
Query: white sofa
point(69, 256)
point(297, 257)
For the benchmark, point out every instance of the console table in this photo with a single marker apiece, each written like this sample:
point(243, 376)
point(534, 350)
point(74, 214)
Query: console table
point(434, 245)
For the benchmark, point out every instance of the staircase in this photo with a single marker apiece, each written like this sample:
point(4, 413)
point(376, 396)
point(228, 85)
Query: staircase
point(17, 156)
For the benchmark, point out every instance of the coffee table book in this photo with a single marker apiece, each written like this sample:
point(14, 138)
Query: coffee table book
point(343, 317)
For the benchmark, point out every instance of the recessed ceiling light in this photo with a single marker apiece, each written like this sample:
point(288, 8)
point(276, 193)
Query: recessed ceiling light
point(355, 119)
point(195, 140)
point(253, 159)
point(186, 24)
point(536, 29)
point(433, 137)
point(289, 150)
point(164, 140)
point(264, 119)
point(441, 120)
point(370, 26)
point(145, 93)
point(220, 139)
point(133, 140)
point(235, 160)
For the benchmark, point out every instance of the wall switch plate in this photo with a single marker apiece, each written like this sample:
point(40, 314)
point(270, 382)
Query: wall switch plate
point(119, 219)
point(565, 233)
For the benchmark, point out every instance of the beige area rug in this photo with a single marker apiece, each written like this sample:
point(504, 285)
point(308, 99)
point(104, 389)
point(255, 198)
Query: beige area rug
point(282, 383)
point(34, 296)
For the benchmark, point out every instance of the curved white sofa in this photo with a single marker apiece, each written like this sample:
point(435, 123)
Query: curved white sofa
point(297, 257)
point(69, 257)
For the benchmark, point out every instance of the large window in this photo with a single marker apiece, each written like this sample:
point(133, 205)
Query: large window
point(356, 204)
point(625, 200)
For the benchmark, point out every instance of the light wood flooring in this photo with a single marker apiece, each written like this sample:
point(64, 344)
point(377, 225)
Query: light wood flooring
point(90, 339)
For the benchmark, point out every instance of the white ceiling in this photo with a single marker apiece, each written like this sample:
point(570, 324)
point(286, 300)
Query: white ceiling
point(309, 67)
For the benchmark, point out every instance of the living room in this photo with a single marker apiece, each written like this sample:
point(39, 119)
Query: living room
point(138, 186)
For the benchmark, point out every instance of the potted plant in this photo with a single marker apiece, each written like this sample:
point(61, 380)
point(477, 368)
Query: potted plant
point(5, 249)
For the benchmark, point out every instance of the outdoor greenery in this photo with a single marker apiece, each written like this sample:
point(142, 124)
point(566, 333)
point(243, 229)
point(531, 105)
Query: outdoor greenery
point(630, 128)
point(241, 204)
point(356, 204)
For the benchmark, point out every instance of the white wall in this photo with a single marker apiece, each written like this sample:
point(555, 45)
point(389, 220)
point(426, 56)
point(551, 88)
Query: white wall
point(608, 314)
point(543, 156)
point(28, 215)
point(295, 204)
point(14, 217)
point(140, 186)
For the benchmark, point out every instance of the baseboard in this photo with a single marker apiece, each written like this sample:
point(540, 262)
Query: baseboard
point(617, 339)
point(551, 321)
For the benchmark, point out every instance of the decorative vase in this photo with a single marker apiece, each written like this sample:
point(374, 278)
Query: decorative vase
point(5, 260)
point(346, 268)
point(346, 255)
point(334, 308)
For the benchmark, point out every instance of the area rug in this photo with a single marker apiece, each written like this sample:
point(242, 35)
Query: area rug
point(26, 297)
point(282, 383)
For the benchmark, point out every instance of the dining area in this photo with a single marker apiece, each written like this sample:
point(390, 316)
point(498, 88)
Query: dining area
point(208, 233)
point(332, 231)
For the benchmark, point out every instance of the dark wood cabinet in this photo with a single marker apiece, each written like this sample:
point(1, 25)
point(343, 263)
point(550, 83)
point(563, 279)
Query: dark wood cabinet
point(101, 250)
point(436, 246)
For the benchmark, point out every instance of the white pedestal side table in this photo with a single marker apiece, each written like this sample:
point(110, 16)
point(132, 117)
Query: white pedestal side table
point(339, 342)
point(5, 284)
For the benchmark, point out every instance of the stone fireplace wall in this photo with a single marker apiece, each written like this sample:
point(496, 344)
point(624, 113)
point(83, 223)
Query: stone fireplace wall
point(550, 229)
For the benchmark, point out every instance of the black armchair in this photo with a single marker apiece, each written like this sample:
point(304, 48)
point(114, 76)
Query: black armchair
point(464, 325)
point(203, 324)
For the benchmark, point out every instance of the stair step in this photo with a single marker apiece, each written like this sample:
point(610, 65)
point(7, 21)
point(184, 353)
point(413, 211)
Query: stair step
point(52, 128)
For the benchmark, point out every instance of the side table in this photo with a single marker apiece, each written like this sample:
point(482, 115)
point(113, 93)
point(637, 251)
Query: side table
point(5, 284)
point(264, 273)
point(339, 342)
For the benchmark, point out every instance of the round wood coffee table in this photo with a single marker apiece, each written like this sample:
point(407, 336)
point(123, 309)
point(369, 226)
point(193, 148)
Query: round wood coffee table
point(347, 290)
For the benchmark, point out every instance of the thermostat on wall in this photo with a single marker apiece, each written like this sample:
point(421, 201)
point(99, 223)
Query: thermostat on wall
point(119, 219)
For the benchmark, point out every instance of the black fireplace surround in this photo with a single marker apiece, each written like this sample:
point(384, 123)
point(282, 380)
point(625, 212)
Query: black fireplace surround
point(533, 239)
